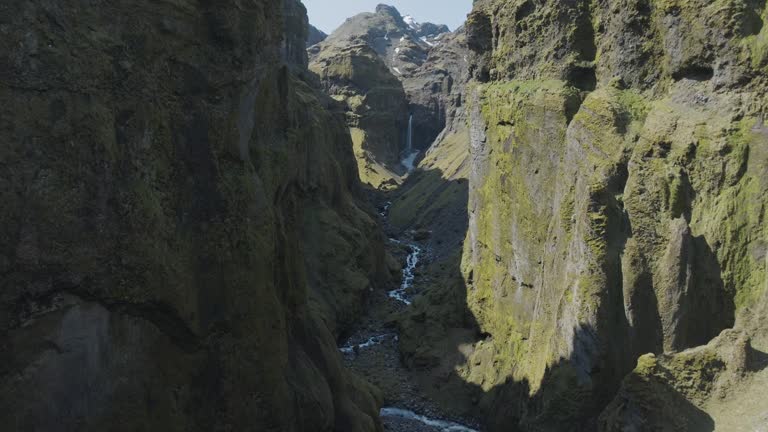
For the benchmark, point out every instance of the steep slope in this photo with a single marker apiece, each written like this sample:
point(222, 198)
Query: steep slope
point(402, 45)
point(315, 36)
point(375, 64)
point(182, 225)
point(438, 84)
point(436, 91)
point(617, 207)
point(377, 111)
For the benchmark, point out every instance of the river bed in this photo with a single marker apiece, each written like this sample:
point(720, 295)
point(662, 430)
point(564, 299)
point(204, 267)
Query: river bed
point(372, 352)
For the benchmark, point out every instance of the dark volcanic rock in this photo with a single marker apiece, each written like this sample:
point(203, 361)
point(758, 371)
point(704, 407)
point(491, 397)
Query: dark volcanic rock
point(418, 55)
point(315, 36)
point(436, 89)
point(431, 31)
point(603, 215)
point(174, 199)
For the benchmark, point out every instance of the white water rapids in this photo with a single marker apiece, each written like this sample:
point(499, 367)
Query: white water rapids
point(409, 274)
point(401, 419)
point(373, 340)
point(441, 425)
point(385, 210)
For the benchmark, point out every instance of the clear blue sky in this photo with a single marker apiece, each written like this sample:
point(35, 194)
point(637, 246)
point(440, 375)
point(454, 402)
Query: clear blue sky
point(329, 14)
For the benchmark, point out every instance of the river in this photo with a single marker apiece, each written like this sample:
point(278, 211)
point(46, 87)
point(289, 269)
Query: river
point(372, 351)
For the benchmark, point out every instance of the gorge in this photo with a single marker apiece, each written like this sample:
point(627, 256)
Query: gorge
point(217, 217)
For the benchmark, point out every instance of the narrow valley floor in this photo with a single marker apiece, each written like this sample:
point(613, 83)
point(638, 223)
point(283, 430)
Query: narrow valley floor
point(372, 352)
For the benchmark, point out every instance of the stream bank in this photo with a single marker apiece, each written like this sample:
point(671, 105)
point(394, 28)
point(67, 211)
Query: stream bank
point(372, 350)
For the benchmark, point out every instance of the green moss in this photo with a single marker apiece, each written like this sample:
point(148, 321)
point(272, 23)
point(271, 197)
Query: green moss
point(567, 213)
point(756, 46)
point(678, 196)
point(439, 185)
point(607, 115)
point(646, 365)
point(636, 160)
point(735, 218)
point(738, 19)
point(526, 121)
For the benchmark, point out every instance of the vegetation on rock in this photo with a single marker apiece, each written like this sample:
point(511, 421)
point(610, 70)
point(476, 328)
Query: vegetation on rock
point(185, 236)
point(617, 189)
point(175, 193)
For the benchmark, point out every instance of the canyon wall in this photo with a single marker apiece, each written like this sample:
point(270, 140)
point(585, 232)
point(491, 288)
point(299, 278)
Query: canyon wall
point(390, 71)
point(182, 233)
point(353, 71)
point(617, 203)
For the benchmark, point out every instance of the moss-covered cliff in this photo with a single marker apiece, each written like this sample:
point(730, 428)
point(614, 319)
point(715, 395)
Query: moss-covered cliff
point(390, 72)
point(377, 111)
point(432, 203)
point(617, 196)
point(181, 231)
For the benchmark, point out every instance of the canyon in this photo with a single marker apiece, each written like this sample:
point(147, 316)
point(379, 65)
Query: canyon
point(217, 217)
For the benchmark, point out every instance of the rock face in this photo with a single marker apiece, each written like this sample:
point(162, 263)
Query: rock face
point(315, 36)
point(385, 69)
point(617, 200)
point(377, 112)
point(436, 91)
point(181, 232)
point(183, 236)
point(434, 198)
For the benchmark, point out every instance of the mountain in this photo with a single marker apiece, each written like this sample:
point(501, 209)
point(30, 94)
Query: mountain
point(375, 63)
point(550, 219)
point(428, 31)
point(315, 36)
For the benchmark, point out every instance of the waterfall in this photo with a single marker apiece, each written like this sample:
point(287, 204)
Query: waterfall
point(409, 142)
point(409, 156)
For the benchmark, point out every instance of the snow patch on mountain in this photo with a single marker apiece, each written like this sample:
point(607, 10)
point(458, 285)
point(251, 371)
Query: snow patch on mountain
point(412, 23)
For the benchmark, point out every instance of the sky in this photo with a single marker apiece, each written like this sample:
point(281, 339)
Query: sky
point(329, 14)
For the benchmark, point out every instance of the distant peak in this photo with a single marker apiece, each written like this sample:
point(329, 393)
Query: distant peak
point(426, 29)
point(411, 21)
point(390, 10)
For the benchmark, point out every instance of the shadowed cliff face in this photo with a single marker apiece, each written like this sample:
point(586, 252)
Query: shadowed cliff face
point(315, 36)
point(173, 196)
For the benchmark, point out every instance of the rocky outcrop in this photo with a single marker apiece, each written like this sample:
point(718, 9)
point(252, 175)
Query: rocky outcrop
point(374, 100)
point(181, 232)
point(315, 36)
point(396, 76)
point(718, 386)
point(617, 199)
point(429, 31)
point(295, 34)
point(665, 392)
point(436, 92)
